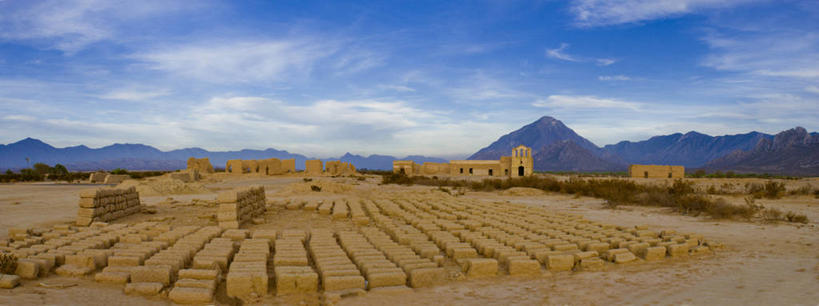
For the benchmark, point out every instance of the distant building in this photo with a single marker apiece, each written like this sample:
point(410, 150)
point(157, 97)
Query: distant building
point(656, 171)
point(518, 165)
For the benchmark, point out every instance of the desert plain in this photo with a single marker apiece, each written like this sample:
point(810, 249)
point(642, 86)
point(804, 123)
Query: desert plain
point(727, 262)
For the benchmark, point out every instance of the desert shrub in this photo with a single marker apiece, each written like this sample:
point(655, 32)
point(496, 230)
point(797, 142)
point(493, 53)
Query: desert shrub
point(771, 214)
point(804, 190)
point(315, 188)
point(816, 194)
point(721, 209)
point(796, 218)
point(119, 171)
point(754, 189)
point(774, 190)
point(143, 174)
point(8, 263)
point(680, 195)
point(307, 179)
point(396, 178)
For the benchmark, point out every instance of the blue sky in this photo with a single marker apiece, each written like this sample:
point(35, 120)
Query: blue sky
point(441, 78)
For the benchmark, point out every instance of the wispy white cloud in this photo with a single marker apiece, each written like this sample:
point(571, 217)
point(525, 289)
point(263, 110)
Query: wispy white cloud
point(791, 54)
point(71, 25)
point(135, 94)
point(590, 13)
point(242, 61)
point(812, 89)
point(618, 77)
point(559, 53)
point(605, 61)
point(398, 88)
point(578, 102)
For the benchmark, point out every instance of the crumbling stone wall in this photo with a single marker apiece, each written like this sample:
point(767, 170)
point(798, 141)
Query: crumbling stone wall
point(106, 204)
point(430, 168)
point(336, 167)
point(656, 171)
point(314, 167)
point(115, 178)
point(97, 177)
point(187, 176)
point(289, 165)
point(270, 166)
point(202, 165)
point(234, 166)
point(240, 205)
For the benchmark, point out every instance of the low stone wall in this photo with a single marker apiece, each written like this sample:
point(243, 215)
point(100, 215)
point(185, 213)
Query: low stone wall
point(116, 178)
point(240, 205)
point(106, 204)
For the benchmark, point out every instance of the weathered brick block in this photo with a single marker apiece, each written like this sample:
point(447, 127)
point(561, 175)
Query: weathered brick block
point(332, 283)
point(426, 277)
point(559, 262)
point(191, 295)
point(386, 279)
point(653, 253)
point(152, 274)
point(147, 289)
point(524, 267)
point(481, 267)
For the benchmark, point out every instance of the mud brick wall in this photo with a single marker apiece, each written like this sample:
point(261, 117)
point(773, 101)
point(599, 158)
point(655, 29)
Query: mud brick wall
point(106, 204)
point(240, 205)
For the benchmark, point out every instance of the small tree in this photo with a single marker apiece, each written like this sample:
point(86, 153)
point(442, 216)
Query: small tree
point(41, 168)
point(60, 170)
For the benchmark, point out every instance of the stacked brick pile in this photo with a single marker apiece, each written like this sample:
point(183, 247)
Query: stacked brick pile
point(292, 269)
point(247, 278)
point(336, 270)
point(106, 204)
point(240, 205)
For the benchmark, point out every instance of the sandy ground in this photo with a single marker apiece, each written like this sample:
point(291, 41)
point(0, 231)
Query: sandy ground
point(762, 264)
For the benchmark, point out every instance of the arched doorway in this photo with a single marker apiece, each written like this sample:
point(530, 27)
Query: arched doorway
point(520, 171)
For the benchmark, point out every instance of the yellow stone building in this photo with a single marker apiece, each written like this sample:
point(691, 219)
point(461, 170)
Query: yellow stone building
point(656, 171)
point(519, 164)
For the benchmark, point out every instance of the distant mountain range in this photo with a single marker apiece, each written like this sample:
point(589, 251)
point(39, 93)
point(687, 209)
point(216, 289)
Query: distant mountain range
point(141, 157)
point(555, 146)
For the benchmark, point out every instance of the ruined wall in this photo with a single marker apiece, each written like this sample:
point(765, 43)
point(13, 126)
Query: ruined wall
point(106, 204)
point(187, 176)
point(97, 177)
point(314, 167)
point(270, 166)
point(202, 165)
point(289, 165)
point(335, 167)
point(234, 166)
point(477, 167)
point(116, 178)
point(250, 166)
point(405, 166)
point(430, 168)
point(656, 171)
point(240, 205)
point(505, 166)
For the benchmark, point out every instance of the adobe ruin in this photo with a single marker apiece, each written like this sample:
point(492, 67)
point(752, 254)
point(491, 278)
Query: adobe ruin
point(519, 164)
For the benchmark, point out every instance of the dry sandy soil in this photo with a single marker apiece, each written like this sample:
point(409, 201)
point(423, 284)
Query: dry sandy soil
point(761, 264)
